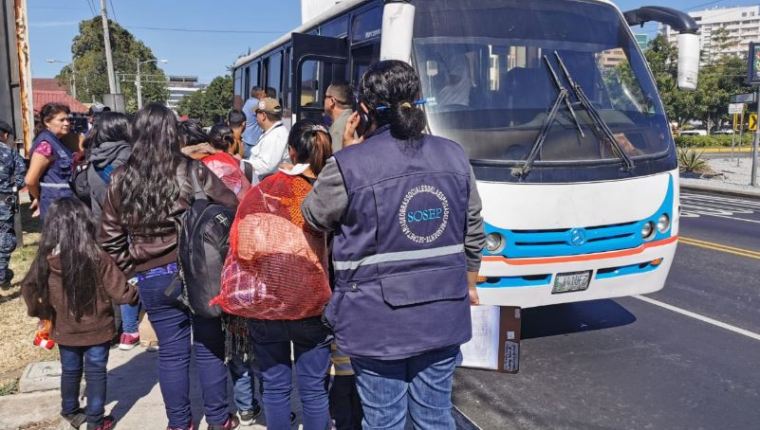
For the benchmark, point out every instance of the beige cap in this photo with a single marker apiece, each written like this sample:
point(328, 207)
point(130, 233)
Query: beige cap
point(269, 105)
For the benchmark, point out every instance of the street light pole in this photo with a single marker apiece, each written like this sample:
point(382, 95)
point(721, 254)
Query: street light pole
point(138, 80)
point(72, 78)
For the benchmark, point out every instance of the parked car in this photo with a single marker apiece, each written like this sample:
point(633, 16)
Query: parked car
point(727, 131)
point(694, 132)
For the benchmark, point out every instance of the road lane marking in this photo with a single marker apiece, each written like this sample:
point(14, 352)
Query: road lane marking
point(719, 247)
point(708, 320)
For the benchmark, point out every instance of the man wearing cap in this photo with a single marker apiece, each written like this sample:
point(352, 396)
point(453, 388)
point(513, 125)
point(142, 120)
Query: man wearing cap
point(272, 147)
point(12, 171)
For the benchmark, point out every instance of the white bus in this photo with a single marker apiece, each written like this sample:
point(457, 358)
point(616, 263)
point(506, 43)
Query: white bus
point(557, 109)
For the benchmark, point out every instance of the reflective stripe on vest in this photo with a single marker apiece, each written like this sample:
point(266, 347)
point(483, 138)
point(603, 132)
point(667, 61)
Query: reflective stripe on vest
point(392, 257)
point(53, 185)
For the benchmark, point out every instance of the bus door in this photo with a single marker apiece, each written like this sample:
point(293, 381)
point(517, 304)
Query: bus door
point(316, 62)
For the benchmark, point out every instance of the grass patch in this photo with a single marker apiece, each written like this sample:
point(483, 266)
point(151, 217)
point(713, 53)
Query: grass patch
point(16, 349)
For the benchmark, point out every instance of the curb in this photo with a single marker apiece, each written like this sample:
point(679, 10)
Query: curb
point(719, 188)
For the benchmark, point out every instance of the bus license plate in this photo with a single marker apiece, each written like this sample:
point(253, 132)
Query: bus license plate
point(569, 282)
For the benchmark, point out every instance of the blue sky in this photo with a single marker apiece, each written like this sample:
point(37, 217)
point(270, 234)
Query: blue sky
point(54, 23)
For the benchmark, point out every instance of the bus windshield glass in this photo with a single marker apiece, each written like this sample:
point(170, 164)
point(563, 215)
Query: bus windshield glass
point(487, 73)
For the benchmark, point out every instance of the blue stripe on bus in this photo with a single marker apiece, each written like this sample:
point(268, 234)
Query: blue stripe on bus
point(560, 242)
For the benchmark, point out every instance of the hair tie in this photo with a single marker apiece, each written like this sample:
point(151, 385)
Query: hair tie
point(317, 127)
point(406, 105)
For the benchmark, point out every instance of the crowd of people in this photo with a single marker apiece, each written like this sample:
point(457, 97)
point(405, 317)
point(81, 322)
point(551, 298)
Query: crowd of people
point(352, 257)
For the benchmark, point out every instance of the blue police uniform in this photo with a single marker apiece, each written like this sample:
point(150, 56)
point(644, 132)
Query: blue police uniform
point(399, 253)
point(55, 182)
point(12, 171)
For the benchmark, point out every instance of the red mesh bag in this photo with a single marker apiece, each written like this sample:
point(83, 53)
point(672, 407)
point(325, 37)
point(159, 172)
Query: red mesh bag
point(276, 268)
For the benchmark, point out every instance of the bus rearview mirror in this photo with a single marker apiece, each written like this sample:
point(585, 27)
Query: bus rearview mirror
point(688, 61)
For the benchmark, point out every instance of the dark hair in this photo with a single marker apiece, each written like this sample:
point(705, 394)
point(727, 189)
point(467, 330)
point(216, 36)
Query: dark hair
point(191, 132)
point(69, 232)
point(255, 90)
point(48, 112)
point(149, 186)
point(109, 127)
point(389, 89)
point(341, 93)
point(271, 93)
point(236, 118)
point(220, 137)
point(311, 143)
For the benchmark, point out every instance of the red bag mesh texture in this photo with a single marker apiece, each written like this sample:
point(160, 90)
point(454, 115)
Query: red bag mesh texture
point(276, 268)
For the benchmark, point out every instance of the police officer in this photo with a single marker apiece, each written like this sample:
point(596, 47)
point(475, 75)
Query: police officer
point(405, 212)
point(12, 170)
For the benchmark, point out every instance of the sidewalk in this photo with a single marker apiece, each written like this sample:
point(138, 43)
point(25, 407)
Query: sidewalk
point(134, 398)
point(733, 179)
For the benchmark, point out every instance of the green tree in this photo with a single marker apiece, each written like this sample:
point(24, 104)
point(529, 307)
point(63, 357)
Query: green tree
point(90, 65)
point(211, 104)
point(718, 81)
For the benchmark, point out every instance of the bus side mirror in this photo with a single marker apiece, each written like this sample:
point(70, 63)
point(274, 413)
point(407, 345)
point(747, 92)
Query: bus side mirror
point(398, 27)
point(688, 40)
point(688, 61)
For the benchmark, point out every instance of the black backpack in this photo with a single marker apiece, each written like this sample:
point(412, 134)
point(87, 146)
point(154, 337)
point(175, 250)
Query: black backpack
point(203, 241)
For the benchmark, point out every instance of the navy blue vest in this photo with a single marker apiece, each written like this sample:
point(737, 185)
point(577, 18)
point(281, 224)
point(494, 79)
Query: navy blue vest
point(400, 272)
point(54, 184)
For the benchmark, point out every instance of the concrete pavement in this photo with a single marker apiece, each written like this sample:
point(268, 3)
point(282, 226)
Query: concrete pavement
point(134, 397)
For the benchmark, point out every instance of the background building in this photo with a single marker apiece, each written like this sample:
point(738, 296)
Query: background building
point(724, 31)
point(181, 86)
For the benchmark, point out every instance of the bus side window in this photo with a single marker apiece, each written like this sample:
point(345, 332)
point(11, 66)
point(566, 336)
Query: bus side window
point(361, 58)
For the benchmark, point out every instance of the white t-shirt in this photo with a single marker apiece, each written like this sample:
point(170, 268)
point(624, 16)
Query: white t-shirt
point(270, 151)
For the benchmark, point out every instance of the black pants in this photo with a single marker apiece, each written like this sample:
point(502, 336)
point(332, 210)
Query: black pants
point(345, 405)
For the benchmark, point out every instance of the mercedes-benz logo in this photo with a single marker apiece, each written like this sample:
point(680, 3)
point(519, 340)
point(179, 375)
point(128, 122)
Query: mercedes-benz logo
point(577, 237)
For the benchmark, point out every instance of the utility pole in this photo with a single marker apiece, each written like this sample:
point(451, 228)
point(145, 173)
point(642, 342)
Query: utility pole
point(753, 174)
point(107, 42)
point(138, 86)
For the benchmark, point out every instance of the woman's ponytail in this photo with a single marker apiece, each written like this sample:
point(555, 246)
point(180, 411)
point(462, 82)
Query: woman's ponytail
point(406, 121)
point(311, 143)
point(389, 89)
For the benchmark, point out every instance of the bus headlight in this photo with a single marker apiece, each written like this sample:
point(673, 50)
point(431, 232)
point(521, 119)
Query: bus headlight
point(663, 223)
point(494, 243)
point(647, 231)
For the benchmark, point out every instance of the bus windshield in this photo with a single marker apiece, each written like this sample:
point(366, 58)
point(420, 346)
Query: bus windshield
point(486, 69)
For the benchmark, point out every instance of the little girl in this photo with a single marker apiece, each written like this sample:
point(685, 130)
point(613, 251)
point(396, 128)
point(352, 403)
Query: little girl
point(72, 283)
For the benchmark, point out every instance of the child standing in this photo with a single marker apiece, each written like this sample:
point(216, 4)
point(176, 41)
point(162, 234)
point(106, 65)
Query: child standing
point(72, 283)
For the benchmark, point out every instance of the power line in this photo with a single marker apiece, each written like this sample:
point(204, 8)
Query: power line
point(710, 3)
point(113, 10)
point(203, 30)
point(89, 4)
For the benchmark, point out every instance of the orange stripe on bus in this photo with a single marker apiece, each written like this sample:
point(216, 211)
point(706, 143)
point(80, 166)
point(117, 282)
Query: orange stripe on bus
point(586, 257)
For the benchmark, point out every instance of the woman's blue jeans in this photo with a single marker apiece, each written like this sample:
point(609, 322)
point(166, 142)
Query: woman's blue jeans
point(420, 385)
point(93, 360)
point(130, 318)
point(173, 325)
point(311, 349)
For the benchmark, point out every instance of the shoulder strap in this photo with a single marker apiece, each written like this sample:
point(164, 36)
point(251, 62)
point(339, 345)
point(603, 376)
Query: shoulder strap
point(198, 193)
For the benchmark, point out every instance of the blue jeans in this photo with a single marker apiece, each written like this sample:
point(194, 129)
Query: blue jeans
point(95, 359)
point(243, 378)
point(271, 347)
point(173, 325)
point(419, 385)
point(130, 318)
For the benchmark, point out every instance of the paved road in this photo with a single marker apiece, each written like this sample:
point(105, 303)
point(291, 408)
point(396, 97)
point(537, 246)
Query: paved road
point(632, 364)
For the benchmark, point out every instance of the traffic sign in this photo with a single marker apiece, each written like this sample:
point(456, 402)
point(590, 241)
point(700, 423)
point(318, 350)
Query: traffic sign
point(744, 98)
point(735, 108)
point(752, 123)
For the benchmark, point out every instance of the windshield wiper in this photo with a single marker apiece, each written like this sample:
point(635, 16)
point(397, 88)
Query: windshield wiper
point(600, 126)
point(562, 98)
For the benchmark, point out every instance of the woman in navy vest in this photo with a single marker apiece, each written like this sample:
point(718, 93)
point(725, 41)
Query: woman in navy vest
point(50, 168)
point(405, 213)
